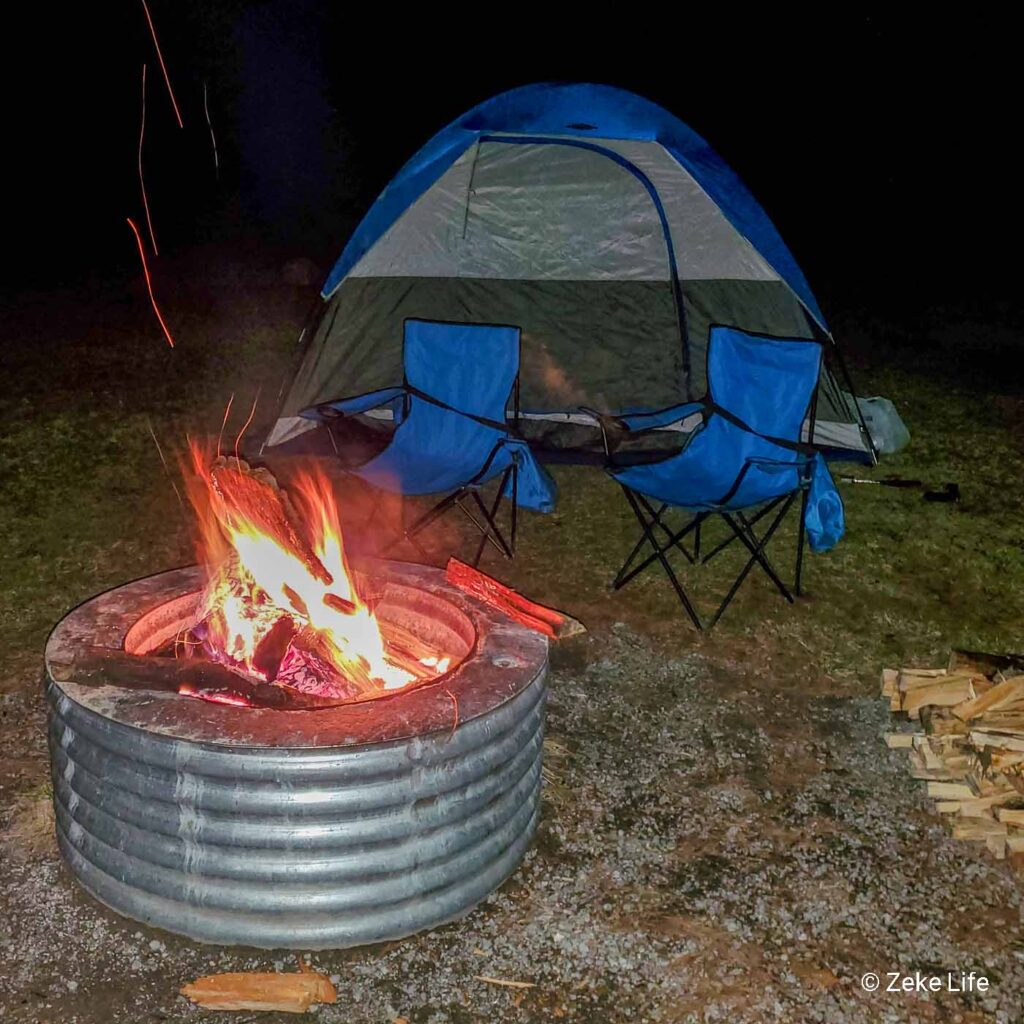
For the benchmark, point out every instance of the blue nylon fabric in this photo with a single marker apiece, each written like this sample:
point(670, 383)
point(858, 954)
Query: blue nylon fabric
point(701, 476)
point(825, 519)
point(661, 418)
point(535, 489)
point(768, 384)
point(549, 108)
point(435, 450)
point(472, 369)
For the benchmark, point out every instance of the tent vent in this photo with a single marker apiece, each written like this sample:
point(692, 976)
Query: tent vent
point(582, 126)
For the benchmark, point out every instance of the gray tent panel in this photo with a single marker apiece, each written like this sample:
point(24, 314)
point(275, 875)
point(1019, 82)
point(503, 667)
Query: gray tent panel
point(548, 211)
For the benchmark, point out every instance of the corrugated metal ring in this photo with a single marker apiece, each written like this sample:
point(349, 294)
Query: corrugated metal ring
point(304, 847)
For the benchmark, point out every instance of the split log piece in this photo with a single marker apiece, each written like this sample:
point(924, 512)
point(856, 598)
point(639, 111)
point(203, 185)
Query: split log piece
point(999, 696)
point(286, 993)
point(552, 623)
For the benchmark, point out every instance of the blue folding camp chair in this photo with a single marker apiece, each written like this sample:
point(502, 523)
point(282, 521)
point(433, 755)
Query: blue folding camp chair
point(744, 462)
point(452, 435)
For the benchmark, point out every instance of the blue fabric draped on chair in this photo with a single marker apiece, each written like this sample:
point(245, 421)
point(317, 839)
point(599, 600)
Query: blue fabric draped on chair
point(747, 455)
point(452, 435)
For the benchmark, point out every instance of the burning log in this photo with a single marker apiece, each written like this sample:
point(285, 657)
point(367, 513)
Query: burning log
point(252, 496)
point(270, 651)
point(280, 602)
point(309, 666)
point(339, 604)
point(548, 621)
point(101, 666)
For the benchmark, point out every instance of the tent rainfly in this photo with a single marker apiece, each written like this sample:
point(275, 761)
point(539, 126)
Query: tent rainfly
point(598, 223)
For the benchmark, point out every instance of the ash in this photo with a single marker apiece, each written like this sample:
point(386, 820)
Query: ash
point(707, 852)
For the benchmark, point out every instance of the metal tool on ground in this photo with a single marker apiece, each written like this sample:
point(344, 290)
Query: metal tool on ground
point(948, 492)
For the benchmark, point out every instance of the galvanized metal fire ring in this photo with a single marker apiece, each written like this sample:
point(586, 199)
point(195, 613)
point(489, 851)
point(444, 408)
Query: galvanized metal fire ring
point(303, 829)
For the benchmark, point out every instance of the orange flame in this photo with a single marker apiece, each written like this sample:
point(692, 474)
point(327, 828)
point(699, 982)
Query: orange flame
point(260, 570)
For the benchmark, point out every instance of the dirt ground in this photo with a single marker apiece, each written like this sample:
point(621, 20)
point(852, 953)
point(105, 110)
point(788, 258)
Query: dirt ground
point(711, 849)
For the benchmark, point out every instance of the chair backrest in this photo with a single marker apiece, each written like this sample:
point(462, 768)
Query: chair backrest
point(469, 367)
point(766, 382)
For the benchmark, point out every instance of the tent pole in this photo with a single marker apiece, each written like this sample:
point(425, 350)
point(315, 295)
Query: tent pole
point(848, 380)
point(310, 325)
point(618, 158)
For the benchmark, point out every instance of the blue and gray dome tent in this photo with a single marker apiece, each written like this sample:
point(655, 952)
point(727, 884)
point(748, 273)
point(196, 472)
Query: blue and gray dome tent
point(611, 233)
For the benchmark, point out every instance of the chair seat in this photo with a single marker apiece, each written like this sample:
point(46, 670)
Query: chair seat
point(420, 463)
point(722, 468)
point(443, 456)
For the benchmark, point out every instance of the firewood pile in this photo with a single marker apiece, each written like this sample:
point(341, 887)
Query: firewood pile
point(967, 744)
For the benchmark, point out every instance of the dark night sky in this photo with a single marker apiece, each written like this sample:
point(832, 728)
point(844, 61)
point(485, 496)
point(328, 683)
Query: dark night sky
point(880, 145)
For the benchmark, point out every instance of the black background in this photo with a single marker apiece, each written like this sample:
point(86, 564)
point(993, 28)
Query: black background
point(882, 146)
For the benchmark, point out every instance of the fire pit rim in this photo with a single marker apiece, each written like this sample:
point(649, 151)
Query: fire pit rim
point(139, 637)
point(506, 658)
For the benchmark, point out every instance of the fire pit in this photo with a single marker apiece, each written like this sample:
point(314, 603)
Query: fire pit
point(306, 824)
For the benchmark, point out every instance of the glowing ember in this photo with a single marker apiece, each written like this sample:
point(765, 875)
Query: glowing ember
point(149, 283)
point(237, 700)
point(280, 603)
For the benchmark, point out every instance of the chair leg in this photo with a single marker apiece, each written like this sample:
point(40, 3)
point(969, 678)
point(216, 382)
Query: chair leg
point(408, 533)
point(637, 547)
point(480, 550)
point(657, 521)
point(757, 547)
point(659, 554)
point(499, 543)
point(674, 540)
point(488, 528)
point(430, 515)
point(757, 557)
point(491, 525)
point(800, 537)
point(515, 503)
point(761, 513)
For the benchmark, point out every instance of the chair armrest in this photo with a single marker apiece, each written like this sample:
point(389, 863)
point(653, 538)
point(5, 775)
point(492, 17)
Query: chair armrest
point(639, 421)
point(355, 405)
point(612, 429)
point(615, 428)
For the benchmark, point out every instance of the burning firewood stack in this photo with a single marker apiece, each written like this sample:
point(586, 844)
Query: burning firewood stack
point(280, 604)
point(968, 744)
point(281, 611)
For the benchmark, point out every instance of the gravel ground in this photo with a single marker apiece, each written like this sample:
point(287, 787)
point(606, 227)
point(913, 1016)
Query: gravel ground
point(710, 850)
